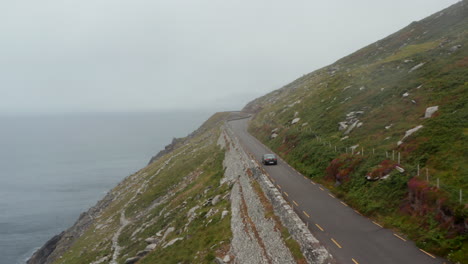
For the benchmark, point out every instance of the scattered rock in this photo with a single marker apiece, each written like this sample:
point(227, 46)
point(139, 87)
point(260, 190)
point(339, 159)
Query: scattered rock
point(132, 260)
point(168, 231)
point(150, 247)
point(400, 169)
point(430, 111)
point(455, 48)
point(351, 127)
point(152, 240)
point(405, 94)
point(305, 124)
point(362, 88)
point(343, 138)
point(191, 214)
point(142, 253)
point(296, 114)
point(408, 133)
point(275, 130)
point(343, 126)
point(224, 214)
point(227, 258)
point(211, 212)
point(295, 120)
point(389, 126)
point(274, 135)
point(347, 87)
point(219, 261)
point(172, 242)
point(216, 199)
point(417, 67)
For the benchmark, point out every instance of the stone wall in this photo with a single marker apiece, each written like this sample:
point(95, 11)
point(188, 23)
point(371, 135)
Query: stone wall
point(244, 247)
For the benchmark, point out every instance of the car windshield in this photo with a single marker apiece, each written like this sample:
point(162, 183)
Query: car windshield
point(269, 156)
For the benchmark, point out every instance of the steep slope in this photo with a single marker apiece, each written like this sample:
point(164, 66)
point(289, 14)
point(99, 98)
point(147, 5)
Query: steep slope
point(200, 200)
point(386, 129)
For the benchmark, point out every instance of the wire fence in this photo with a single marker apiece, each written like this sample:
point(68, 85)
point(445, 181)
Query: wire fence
point(457, 194)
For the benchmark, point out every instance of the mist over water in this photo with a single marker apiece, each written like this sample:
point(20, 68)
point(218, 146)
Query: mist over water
point(55, 166)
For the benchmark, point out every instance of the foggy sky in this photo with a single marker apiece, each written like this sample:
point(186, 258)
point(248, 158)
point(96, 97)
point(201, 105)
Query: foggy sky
point(137, 55)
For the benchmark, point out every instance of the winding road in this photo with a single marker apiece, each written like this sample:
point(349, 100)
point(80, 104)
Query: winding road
point(349, 236)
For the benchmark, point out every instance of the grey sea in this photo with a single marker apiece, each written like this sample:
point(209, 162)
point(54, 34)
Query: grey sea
point(55, 166)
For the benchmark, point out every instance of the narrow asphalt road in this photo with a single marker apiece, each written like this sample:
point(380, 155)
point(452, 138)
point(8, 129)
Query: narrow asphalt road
point(349, 236)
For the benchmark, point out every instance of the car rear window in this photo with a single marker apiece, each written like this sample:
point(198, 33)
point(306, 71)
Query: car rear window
point(270, 156)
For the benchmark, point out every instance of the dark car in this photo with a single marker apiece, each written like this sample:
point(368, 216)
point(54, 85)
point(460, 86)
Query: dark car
point(269, 159)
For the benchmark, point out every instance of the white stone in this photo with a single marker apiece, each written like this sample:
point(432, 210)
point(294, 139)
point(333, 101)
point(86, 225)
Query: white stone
point(354, 147)
point(359, 124)
point(224, 214)
point(408, 133)
point(216, 199)
point(405, 94)
point(172, 242)
point(400, 169)
point(226, 259)
point(343, 126)
point(362, 88)
point(350, 128)
point(151, 247)
point(296, 114)
point(389, 126)
point(344, 138)
point(417, 67)
point(305, 124)
point(168, 231)
point(274, 135)
point(430, 111)
point(295, 120)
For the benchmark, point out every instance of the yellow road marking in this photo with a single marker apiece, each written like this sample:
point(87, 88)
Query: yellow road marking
point(336, 243)
point(357, 212)
point(312, 182)
point(319, 227)
point(273, 180)
point(295, 203)
point(321, 188)
point(399, 237)
point(343, 203)
point(279, 186)
point(331, 195)
point(377, 224)
point(430, 255)
point(355, 261)
point(286, 194)
point(306, 214)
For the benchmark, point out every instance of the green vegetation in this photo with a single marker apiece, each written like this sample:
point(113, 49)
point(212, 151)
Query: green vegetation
point(160, 196)
point(380, 81)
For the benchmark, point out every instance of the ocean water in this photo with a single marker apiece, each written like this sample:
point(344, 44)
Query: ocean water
point(55, 166)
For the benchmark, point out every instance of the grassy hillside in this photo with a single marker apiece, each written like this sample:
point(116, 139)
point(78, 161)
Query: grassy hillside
point(345, 125)
point(153, 207)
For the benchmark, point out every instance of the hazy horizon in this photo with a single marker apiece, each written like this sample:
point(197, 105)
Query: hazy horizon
point(106, 56)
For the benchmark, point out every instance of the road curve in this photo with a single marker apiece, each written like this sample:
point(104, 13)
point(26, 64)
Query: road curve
point(349, 236)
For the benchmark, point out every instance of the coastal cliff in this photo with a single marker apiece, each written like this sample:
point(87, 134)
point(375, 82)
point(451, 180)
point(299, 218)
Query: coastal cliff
point(202, 200)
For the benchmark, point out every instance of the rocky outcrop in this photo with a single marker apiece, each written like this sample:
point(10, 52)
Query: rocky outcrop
point(59, 244)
